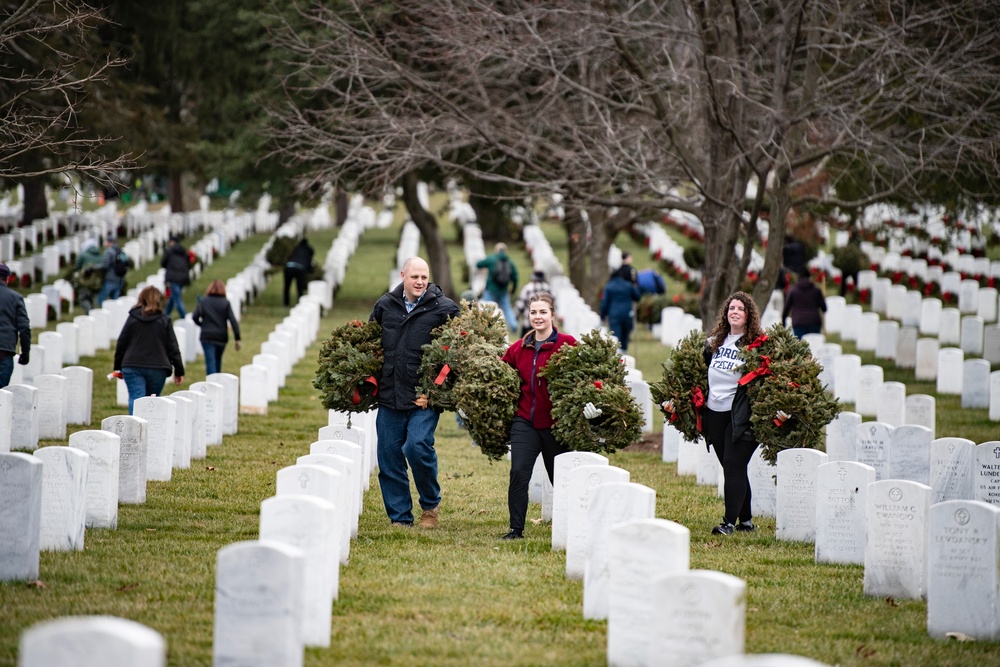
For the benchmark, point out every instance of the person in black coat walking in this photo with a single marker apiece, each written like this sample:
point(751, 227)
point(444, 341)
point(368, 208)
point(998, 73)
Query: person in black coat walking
point(213, 314)
point(806, 304)
point(405, 425)
point(177, 263)
point(14, 325)
point(297, 269)
point(147, 348)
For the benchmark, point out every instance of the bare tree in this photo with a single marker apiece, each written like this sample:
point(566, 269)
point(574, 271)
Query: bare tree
point(645, 105)
point(47, 70)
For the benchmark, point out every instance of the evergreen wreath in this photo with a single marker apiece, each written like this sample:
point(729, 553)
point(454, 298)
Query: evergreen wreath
point(445, 358)
point(685, 382)
point(591, 372)
point(789, 406)
point(486, 396)
point(350, 364)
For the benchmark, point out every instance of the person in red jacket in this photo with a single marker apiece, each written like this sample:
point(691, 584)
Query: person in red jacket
point(531, 430)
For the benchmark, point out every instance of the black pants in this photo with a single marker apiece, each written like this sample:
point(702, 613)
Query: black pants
point(526, 443)
point(734, 457)
point(299, 276)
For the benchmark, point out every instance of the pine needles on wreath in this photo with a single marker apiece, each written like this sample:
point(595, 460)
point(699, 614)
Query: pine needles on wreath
point(685, 378)
point(591, 372)
point(350, 364)
point(788, 385)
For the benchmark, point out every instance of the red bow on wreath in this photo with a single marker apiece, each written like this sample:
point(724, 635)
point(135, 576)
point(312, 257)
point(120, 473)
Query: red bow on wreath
point(761, 371)
point(698, 398)
point(757, 343)
point(445, 369)
point(356, 398)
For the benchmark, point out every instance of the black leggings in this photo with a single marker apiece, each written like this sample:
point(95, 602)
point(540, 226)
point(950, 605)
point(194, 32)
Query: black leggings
point(734, 457)
point(526, 443)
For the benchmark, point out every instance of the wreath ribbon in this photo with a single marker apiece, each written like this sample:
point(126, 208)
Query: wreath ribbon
point(758, 342)
point(445, 369)
point(763, 369)
point(698, 398)
point(356, 398)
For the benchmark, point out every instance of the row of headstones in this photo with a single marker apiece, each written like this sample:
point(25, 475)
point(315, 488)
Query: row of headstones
point(833, 501)
point(635, 568)
point(84, 483)
point(890, 339)
point(360, 218)
point(914, 228)
point(897, 302)
point(851, 382)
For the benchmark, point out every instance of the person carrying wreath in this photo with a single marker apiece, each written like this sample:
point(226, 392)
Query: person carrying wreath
point(531, 429)
point(405, 424)
point(726, 413)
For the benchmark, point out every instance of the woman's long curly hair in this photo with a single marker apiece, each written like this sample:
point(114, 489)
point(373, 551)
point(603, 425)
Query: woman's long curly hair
point(751, 331)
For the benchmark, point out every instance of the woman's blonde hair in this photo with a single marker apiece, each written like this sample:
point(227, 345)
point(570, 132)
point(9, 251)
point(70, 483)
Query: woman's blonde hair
point(150, 300)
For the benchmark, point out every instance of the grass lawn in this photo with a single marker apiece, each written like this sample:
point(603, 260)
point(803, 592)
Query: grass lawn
point(456, 595)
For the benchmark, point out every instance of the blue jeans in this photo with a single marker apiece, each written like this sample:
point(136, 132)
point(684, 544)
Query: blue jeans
point(175, 300)
point(622, 329)
point(503, 301)
point(143, 382)
point(407, 436)
point(6, 369)
point(213, 356)
point(111, 289)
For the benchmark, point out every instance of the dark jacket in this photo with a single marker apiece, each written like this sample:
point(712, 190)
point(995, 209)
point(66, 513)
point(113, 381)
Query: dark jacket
point(804, 302)
point(488, 263)
point(14, 322)
point(107, 265)
point(534, 404)
point(301, 257)
point(212, 314)
point(403, 335)
point(148, 341)
point(741, 404)
point(618, 298)
point(178, 265)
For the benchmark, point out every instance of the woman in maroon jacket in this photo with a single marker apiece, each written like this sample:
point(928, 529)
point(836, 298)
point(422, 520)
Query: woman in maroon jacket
point(531, 430)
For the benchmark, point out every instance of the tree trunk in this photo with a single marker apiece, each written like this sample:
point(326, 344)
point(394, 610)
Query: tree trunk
point(780, 206)
point(35, 206)
point(175, 191)
point(286, 209)
point(576, 244)
point(437, 253)
point(342, 203)
point(490, 217)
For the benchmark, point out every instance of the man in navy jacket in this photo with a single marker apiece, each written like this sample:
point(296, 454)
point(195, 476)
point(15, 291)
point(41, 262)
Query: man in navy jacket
point(405, 425)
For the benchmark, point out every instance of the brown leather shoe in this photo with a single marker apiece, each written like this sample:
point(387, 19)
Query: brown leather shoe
point(428, 519)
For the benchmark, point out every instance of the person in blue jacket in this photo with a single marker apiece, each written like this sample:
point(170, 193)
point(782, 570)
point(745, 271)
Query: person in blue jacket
point(618, 304)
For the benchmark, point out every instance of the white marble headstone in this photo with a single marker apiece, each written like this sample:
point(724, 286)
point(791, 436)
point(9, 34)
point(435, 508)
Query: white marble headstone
point(582, 482)
point(20, 516)
point(102, 475)
point(560, 491)
point(963, 570)
point(641, 551)
point(133, 434)
point(82, 641)
point(841, 506)
point(795, 518)
point(697, 616)
point(873, 440)
point(259, 602)
point(610, 504)
point(896, 539)
point(307, 522)
point(64, 498)
point(952, 469)
point(161, 415)
point(910, 453)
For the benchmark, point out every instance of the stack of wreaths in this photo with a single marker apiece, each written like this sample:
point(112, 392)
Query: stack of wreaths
point(788, 405)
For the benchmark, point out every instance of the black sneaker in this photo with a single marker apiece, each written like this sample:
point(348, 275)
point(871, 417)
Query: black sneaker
point(724, 528)
point(745, 527)
point(513, 535)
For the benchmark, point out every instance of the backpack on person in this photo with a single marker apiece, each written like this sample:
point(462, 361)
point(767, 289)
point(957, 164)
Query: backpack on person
point(501, 273)
point(122, 263)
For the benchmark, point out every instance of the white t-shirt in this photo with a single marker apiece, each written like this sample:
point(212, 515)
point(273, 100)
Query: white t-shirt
point(724, 375)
